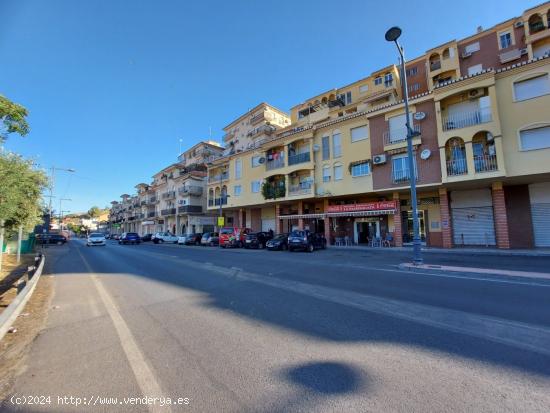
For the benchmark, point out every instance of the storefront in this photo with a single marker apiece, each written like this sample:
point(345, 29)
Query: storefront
point(473, 218)
point(539, 196)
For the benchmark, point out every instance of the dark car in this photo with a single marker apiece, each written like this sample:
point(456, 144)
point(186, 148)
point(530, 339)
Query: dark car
point(147, 237)
point(257, 239)
point(305, 240)
point(115, 237)
point(210, 238)
point(51, 239)
point(129, 238)
point(279, 243)
point(193, 239)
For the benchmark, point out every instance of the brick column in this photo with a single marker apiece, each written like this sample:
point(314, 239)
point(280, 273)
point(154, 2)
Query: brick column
point(300, 211)
point(398, 230)
point(278, 222)
point(446, 227)
point(327, 221)
point(501, 219)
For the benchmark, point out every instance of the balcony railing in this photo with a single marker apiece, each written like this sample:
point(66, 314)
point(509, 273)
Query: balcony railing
point(299, 158)
point(465, 119)
point(398, 135)
point(169, 211)
point(222, 200)
point(210, 202)
point(257, 118)
point(169, 195)
point(151, 214)
point(143, 203)
point(457, 167)
point(536, 27)
point(435, 65)
point(274, 164)
point(303, 188)
point(153, 199)
point(197, 209)
point(192, 190)
point(218, 178)
point(400, 176)
point(485, 163)
point(140, 216)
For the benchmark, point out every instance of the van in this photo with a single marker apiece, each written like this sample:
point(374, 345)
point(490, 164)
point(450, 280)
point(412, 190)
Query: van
point(233, 236)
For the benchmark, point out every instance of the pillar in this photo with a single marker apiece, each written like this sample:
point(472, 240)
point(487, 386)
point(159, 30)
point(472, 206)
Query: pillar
point(500, 217)
point(278, 221)
point(397, 224)
point(446, 227)
point(300, 212)
point(327, 221)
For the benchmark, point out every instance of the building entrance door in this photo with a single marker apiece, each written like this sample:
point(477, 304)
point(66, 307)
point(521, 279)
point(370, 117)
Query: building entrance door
point(408, 233)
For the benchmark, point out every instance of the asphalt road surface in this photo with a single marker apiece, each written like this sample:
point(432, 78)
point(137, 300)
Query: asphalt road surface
point(256, 331)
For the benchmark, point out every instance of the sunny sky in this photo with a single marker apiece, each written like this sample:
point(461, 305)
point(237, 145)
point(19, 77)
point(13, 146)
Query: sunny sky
point(112, 86)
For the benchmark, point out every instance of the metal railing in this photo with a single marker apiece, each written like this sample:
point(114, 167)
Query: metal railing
point(398, 135)
point(400, 176)
point(169, 211)
point(218, 177)
point(302, 188)
point(299, 158)
point(457, 167)
point(153, 199)
point(190, 190)
point(151, 214)
point(169, 195)
point(465, 119)
point(223, 201)
point(485, 163)
point(274, 164)
point(435, 65)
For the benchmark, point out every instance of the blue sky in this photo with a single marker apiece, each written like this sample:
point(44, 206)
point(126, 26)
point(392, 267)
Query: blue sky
point(112, 86)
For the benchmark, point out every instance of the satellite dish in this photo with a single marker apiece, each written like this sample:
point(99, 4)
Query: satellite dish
point(261, 160)
point(419, 115)
point(425, 154)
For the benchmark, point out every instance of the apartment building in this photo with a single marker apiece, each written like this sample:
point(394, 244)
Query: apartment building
point(479, 107)
point(174, 201)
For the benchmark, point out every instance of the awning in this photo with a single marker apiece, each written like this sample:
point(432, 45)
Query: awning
point(304, 216)
point(361, 213)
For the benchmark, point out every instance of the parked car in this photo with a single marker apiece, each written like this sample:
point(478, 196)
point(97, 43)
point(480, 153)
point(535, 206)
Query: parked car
point(181, 239)
point(167, 236)
point(147, 237)
point(129, 238)
point(233, 236)
point(210, 238)
point(305, 240)
point(116, 237)
point(192, 239)
point(49, 238)
point(96, 238)
point(257, 239)
point(279, 242)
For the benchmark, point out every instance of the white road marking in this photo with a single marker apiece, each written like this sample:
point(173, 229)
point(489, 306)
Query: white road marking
point(143, 373)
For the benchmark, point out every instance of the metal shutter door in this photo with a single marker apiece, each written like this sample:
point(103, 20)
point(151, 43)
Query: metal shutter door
point(473, 226)
point(268, 224)
point(540, 214)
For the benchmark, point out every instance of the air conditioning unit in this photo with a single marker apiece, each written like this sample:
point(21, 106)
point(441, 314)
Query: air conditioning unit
point(523, 51)
point(518, 24)
point(475, 93)
point(466, 55)
point(379, 159)
point(261, 160)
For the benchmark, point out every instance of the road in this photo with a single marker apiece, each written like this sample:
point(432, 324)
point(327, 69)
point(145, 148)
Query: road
point(259, 331)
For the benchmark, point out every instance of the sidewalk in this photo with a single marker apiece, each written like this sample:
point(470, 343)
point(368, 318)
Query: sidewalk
point(539, 252)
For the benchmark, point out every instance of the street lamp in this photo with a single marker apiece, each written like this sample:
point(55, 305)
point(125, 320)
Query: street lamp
point(61, 212)
point(52, 184)
point(391, 36)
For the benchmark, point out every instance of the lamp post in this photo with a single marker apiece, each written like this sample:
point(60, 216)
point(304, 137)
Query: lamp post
point(61, 212)
point(52, 184)
point(391, 36)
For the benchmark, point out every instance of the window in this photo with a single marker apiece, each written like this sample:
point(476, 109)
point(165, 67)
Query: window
point(326, 173)
point(536, 138)
point(338, 171)
point(326, 147)
point(360, 169)
point(345, 97)
point(400, 168)
point(388, 79)
point(237, 190)
point(256, 161)
point(336, 145)
point(472, 70)
point(255, 186)
point(359, 133)
point(505, 40)
point(471, 48)
point(414, 87)
point(398, 128)
point(378, 81)
point(363, 88)
point(532, 88)
point(412, 71)
point(238, 168)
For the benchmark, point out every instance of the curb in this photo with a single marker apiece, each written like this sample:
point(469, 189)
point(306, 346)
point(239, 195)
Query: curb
point(459, 251)
point(438, 269)
point(10, 314)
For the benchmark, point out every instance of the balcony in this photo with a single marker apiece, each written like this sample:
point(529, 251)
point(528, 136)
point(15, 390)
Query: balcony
point(402, 176)
point(169, 195)
point(303, 188)
point(151, 214)
point(190, 209)
point(465, 119)
point(169, 211)
point(485, 163)
point(142, 203)
point(192, 190)
point(153, 200)
point(220, 201)
point(140, 216)
point(218, 177)
point(457, 167)
point(398, 135)
point(436, 65)
point(260, 117)
point(275, 164)
point(299, 158)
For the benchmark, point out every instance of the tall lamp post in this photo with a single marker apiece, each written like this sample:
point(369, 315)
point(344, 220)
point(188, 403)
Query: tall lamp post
point(391, 36)
point(52, 184)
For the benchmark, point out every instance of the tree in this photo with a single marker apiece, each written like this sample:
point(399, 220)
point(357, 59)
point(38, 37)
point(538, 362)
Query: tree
point(13, 117)
point(94, 212)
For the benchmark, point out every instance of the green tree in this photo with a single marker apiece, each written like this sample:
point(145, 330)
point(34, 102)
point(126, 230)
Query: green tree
point(20, 192)
point(13, 119)
point(94, 212)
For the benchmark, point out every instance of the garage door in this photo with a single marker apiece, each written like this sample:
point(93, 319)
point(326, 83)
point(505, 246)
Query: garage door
point(268, 224)
point(473, 226)
point(540, 214)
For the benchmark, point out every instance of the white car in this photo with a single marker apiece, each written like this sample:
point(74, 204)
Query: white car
point(96, 238)
point(161, 237)
point(181, 240)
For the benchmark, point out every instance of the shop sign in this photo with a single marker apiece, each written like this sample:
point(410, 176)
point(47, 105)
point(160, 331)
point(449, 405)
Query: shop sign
point(368, 206)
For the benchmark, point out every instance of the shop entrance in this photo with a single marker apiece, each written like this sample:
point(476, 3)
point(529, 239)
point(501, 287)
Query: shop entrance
point(366, 230)
point(407, 220)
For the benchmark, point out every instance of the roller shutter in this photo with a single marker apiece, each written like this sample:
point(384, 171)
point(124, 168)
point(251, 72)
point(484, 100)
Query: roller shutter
point(540, 214)
point(268, 224)
point(473, 226)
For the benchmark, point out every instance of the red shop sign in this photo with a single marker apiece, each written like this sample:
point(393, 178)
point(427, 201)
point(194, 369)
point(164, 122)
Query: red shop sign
point(368, 206)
